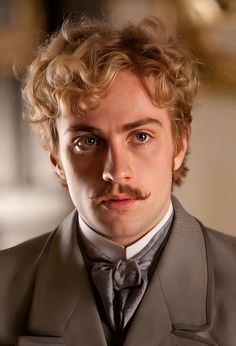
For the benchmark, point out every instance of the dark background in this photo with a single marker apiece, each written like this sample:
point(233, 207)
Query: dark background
point(57, 11)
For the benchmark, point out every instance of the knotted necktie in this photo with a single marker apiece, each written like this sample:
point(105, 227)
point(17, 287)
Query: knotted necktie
point(121, 285)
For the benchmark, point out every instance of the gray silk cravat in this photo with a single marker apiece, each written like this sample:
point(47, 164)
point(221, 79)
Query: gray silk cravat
point(121, 285)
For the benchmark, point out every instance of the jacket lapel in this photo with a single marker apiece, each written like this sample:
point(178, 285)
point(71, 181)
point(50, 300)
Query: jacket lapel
point(63, 303)
point(151, 324)
point(177, 305)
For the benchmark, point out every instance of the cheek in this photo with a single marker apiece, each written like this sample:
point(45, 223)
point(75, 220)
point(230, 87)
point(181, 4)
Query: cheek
point(160, 172)
point(80, 169)
point(160, 159)
point(156, 173)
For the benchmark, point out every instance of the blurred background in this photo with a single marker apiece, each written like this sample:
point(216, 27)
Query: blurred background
point(31, 200)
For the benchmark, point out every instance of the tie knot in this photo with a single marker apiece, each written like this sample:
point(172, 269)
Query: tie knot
point(126, 274)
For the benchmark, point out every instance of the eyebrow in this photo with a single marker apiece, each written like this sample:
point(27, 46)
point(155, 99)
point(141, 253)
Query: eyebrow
point(124, 128)
point(141, 122)
point(82, 128)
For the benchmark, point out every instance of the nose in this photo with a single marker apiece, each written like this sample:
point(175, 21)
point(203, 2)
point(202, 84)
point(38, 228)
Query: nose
point(117, 168)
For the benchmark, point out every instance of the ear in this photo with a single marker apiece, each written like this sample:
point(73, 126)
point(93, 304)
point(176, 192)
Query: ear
point(58, 168)
point(181, 150)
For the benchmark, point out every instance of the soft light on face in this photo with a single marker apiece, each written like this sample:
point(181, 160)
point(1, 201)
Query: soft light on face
point(118, 161)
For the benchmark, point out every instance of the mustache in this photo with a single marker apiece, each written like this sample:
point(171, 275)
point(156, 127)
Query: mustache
point(132, 192)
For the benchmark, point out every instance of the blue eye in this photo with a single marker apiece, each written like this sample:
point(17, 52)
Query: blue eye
point(142, 136)
point(90, 141)
point(86, 143)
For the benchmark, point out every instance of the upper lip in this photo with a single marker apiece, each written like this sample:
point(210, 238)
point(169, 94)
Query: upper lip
point(118, 197)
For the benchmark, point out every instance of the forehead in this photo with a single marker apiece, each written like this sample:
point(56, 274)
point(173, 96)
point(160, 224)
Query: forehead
point(127, 95)
point(125, 102)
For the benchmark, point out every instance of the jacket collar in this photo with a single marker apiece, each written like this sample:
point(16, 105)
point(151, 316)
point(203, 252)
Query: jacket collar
point(182, 285)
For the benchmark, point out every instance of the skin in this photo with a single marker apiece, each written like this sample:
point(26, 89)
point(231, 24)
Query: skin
point(118, 161)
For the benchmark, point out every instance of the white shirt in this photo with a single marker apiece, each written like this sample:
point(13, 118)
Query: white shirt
point(116, 251)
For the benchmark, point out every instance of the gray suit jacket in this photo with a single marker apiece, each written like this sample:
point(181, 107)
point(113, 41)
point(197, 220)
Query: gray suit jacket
point(46, 296)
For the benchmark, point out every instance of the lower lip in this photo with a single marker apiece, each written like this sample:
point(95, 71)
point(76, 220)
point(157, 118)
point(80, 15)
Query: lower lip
point(122, 204)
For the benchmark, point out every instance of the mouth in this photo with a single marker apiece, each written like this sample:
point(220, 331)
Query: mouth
point(118, 202)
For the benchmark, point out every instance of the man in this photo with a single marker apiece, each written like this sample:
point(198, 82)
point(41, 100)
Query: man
point(129, 266)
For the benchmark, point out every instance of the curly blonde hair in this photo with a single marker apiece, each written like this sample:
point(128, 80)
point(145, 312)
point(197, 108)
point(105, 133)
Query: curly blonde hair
point(76, 67)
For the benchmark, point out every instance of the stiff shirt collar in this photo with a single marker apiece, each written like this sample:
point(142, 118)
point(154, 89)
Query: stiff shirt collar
point(116, 251)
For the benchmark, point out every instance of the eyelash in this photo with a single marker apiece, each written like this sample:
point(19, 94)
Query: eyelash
point(148, 136)
point(99, 141)
point(83, 138)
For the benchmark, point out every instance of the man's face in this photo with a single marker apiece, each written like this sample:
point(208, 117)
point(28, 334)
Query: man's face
point(118, 161)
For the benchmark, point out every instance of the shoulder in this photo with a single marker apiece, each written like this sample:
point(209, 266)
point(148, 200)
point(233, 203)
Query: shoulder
point(25, 253)
point(28, 252)
point(18, 264)
point(220, 247)
point(223, 249)
point(18, 268)
point(220, 239)
point(215, 237)
point(223, 254)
